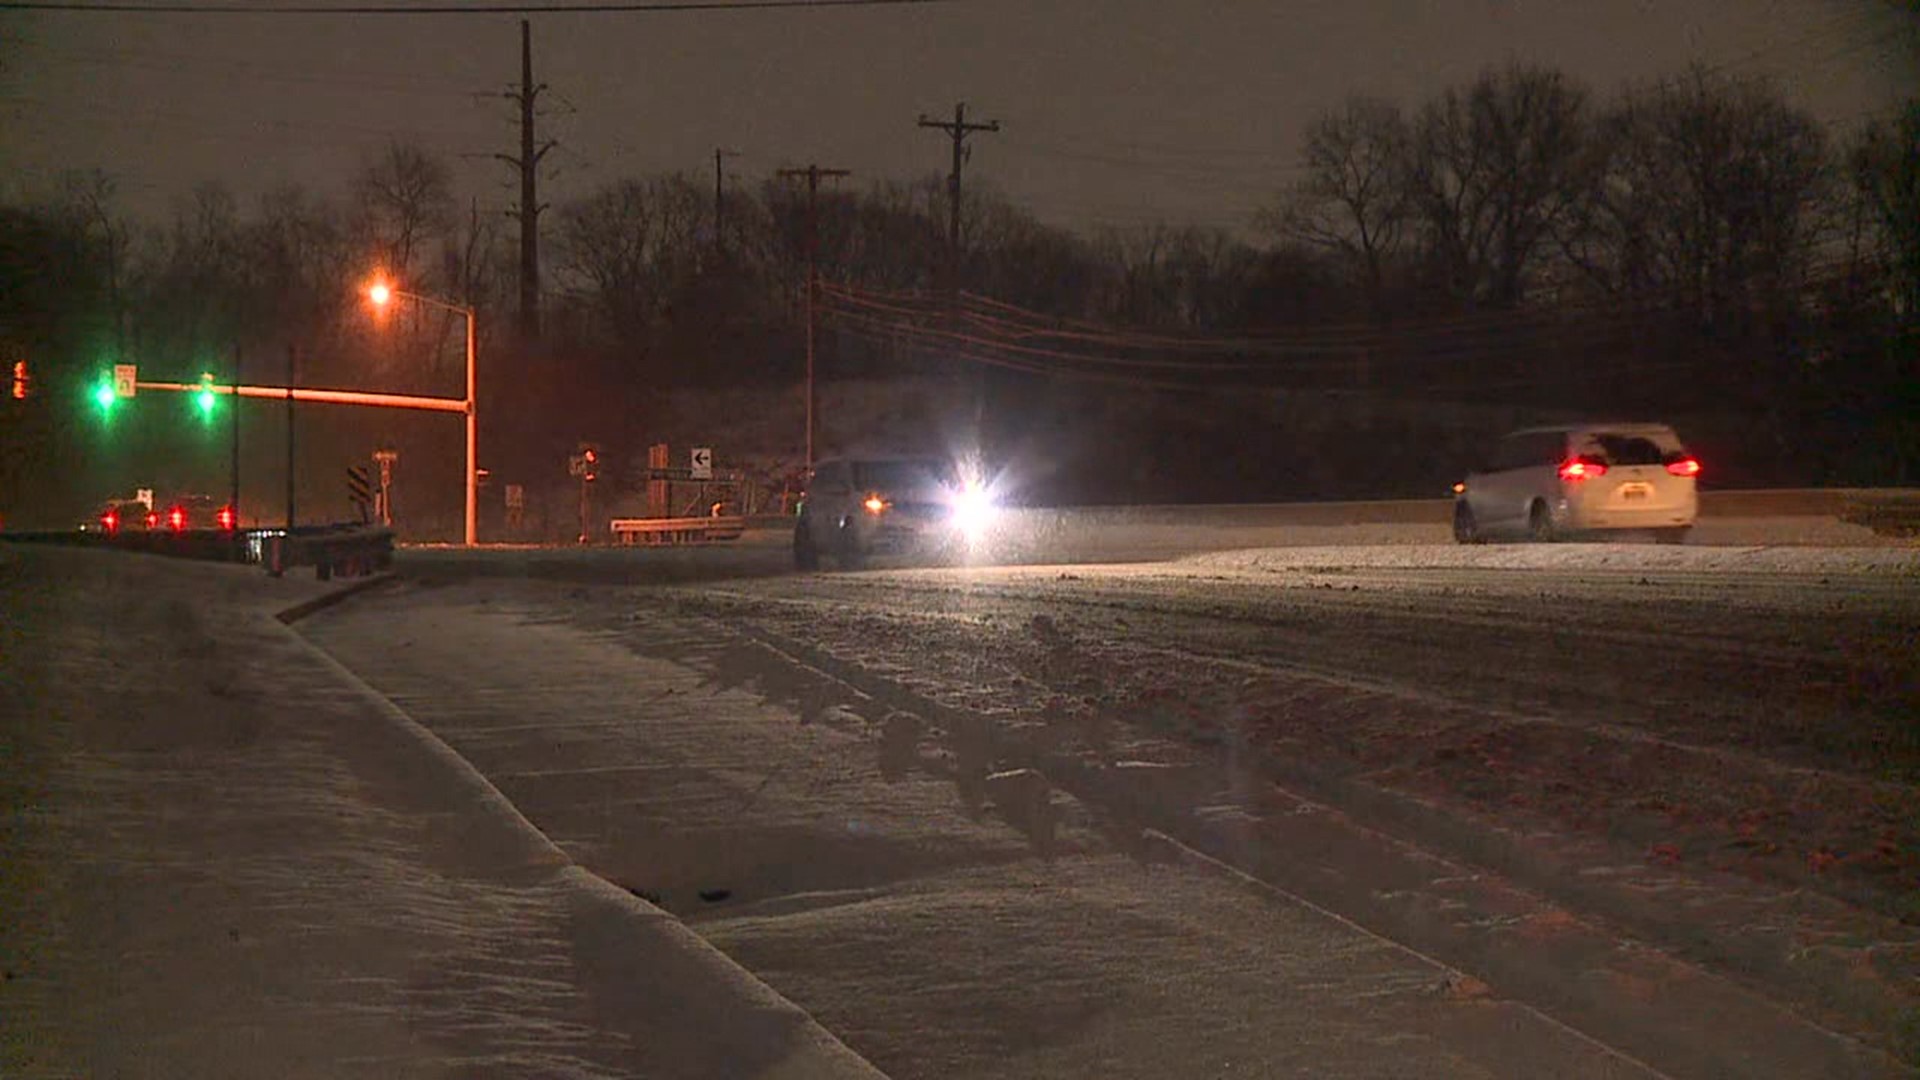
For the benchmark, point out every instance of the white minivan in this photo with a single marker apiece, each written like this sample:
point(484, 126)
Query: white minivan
point(1548, 483)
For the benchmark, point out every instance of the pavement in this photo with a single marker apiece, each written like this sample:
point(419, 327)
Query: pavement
point(226, 857)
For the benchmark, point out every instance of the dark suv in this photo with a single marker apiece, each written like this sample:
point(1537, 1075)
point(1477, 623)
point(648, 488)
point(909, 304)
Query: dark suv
point(859, 507)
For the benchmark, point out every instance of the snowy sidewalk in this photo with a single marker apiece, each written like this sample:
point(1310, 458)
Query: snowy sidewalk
point(226, 858)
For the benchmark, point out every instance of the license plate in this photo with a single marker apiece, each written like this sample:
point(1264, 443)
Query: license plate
point(1630, 492)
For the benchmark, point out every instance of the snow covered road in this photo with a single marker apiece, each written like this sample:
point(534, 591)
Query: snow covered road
point(1590, 809)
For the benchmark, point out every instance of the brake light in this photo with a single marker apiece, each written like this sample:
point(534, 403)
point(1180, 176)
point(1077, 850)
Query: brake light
point(226, 518)
point(153, 519)
point(875, 504)
point(1686, 466)
point(176, 519)
point(110, 521)
point(1582, 469)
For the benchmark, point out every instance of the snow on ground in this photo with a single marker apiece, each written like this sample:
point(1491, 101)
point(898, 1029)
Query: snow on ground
point(226, 859)
point(1773, 556)
point(942, 929)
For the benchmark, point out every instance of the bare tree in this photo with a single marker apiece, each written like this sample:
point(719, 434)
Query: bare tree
point(1885, 171)
point(86, 202)
point(1709, 200)
point(404, 198)
point(1354, 199)
point(625, 251)
point(1493, 169)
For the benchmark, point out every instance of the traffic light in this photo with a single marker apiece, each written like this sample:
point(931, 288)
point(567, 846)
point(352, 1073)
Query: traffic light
point(21, 382)
point(104, 397)
point(203, 398)
point(593, 465)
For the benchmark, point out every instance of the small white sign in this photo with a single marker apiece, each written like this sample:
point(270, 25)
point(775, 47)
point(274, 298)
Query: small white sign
point(124, 378)
point(702, 463)
point(144, 497)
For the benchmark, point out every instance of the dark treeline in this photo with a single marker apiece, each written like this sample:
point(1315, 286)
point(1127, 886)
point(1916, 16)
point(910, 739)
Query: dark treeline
point(1691, 246)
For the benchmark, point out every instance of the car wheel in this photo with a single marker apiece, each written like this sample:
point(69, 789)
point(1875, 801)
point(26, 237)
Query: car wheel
point(806, 557)
point(847, 551)
point(1675, 535)
point(1539, 524)
point(1465, 529)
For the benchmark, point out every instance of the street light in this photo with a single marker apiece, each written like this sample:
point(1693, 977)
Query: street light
point(381, 293)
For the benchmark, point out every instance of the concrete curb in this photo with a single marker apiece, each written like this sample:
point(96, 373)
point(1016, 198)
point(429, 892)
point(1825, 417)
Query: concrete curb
point(724, 1010)
point(319, 603)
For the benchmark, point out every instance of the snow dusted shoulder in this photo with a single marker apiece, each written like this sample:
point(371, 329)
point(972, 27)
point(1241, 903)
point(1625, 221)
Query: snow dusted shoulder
point(225, 859)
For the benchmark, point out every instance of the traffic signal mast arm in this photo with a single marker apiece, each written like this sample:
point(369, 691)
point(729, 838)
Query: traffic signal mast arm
point(335, 397)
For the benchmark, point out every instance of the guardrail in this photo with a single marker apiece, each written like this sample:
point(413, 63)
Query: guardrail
point(332, 550)
point(653, 532)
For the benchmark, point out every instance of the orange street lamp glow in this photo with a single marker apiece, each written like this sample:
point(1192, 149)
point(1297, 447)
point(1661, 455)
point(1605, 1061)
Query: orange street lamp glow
point(381, 292)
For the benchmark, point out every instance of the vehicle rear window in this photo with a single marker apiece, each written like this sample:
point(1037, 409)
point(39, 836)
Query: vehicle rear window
point(1629, 450)
point(1521, 451)
point(898, 474)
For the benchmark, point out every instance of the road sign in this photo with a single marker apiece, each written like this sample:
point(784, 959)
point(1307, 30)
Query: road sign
point(702, 463)
point(144, 497)
point(125, 377)
point(360, 488)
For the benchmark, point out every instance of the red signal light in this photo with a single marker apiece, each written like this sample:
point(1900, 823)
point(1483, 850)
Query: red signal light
point(1684, 467)
point(226, 517)
point(20, 380)
point(176, 519)
point(1582, 469)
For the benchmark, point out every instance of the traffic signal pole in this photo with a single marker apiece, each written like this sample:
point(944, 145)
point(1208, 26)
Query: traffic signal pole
point(291, 394)
point(331, 397)
point(233, 472)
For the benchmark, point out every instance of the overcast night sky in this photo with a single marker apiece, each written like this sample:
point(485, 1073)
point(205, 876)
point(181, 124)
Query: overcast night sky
point(1114, 111)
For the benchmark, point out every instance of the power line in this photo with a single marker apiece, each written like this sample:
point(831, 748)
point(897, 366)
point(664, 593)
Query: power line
point(223, 68)
point(668, 6)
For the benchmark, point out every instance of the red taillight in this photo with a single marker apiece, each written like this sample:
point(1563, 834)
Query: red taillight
point(110, 521)
point(176, 519)
point(153, 519)
point(226, 517)
point(1582, 469)
point(1686, 466)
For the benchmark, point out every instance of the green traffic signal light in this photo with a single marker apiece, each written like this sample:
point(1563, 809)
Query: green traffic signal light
point(104, 396)
point(204, 398)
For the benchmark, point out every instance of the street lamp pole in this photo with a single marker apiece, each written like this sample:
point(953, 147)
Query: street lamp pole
point(381, 293)
point(473, 470)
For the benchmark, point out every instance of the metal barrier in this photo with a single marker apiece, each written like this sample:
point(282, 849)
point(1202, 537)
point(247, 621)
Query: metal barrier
point(654, 532)
point(332, 550)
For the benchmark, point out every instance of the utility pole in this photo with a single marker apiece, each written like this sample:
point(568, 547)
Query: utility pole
point(813, 173)
point(527, 163)
point(290, 373)
point(958, 130)
point(233, 472)
point(720, 200)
